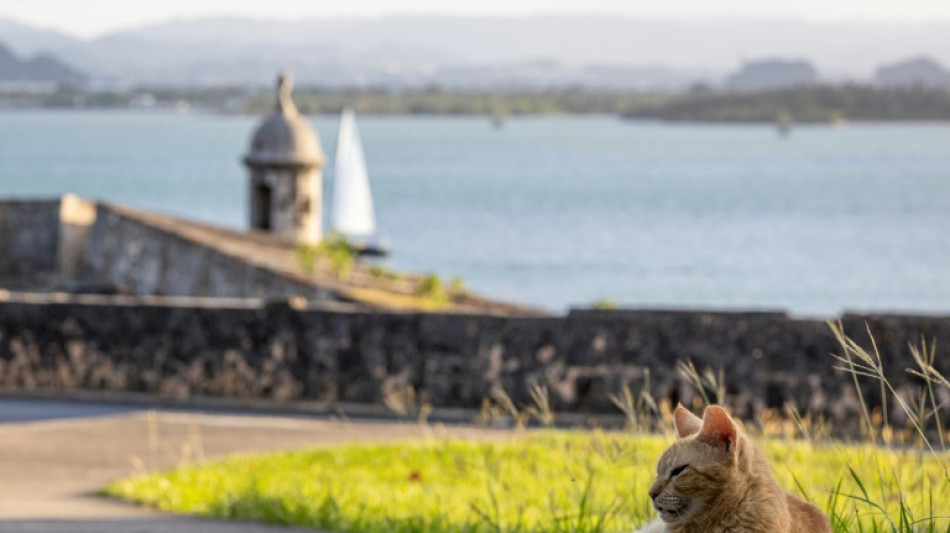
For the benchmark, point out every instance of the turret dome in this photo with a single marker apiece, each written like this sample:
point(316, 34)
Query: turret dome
point(285, 137)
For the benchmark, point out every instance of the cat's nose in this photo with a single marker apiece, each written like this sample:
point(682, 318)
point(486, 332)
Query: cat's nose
point(654, 491)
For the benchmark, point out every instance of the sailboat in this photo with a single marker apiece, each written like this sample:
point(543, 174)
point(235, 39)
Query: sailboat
point(351, 208)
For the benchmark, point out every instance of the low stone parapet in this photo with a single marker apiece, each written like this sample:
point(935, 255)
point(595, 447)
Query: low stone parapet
point(335, 352)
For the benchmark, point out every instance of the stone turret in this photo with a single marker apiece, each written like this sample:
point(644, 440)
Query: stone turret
point(285, 163)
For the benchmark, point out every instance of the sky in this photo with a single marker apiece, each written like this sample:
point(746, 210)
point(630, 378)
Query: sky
point(91, 18)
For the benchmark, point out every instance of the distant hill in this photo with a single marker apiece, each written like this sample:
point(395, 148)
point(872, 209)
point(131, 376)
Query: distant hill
point(921, 71)
point(772, 74)
point(27, 41)
point(42, 68)
point(419, 51)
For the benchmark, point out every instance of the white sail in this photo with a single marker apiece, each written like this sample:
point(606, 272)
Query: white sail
point(351, 211)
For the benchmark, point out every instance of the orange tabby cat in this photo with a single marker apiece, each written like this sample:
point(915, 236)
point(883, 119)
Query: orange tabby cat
point(713, 479)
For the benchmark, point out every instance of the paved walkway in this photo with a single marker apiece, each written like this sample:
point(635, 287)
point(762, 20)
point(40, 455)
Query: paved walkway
point(53, 460)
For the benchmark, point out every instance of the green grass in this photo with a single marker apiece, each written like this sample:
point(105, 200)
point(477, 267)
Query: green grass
point(334, 253)
point(576, 482)
point(432, 288)
point(536, 481)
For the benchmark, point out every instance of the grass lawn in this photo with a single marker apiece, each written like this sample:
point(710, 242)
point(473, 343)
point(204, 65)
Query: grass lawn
point(536, 481)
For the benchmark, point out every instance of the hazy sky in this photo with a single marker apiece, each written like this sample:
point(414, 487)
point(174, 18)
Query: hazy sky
point(89, 18)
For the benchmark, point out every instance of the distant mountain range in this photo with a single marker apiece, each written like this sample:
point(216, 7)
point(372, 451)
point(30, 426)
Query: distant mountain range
point(922, 71)
point(772, 74)
point(526, 52)
point(41, 68)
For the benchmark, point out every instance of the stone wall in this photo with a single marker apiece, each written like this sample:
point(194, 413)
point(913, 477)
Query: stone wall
point(29, 235)
point(147, 259)
point(73, 243)
point(250, 348)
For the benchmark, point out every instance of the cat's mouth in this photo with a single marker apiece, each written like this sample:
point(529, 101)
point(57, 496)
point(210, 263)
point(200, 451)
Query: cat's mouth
point(671, 514)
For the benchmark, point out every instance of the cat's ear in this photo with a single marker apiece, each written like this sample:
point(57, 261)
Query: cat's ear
point(718, 429)
point(685, 423)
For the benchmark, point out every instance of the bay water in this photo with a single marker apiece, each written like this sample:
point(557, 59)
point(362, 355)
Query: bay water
point(568, 211)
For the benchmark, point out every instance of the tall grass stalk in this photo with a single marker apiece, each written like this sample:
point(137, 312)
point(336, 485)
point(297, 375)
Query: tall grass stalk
point(838, 329)
point(925, 356)
point(518, 418)
point(542, 405)
point(803, 425)
point(641, 410)
point(708, 380)
point(858, 362)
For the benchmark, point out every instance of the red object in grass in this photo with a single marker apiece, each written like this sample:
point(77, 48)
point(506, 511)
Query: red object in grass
point(415, 476)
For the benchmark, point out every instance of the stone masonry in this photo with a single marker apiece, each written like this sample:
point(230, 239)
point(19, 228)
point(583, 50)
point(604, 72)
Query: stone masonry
point(333, 353)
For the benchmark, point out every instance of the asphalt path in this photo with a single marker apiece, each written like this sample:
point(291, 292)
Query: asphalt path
point(55, 455)
point(17, 410)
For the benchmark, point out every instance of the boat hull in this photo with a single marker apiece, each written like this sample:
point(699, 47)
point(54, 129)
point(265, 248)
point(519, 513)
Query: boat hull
point(370, 247)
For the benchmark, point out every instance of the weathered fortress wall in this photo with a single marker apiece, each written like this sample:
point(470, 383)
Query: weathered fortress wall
point(29, 236)
point(157, 258)
point(249, 348)
point(48, 243)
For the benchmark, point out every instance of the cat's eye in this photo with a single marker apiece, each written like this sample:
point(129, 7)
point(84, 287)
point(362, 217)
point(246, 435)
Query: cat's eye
point(678, 470)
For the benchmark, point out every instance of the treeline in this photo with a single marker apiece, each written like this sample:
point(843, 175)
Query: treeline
point(446, 102)
point(822, 103)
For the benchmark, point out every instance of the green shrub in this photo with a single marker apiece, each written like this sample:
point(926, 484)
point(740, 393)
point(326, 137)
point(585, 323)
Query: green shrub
point(432, 288)
point(334, 253)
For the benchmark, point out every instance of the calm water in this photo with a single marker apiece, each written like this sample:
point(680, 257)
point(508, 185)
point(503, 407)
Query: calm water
point(566, 211)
